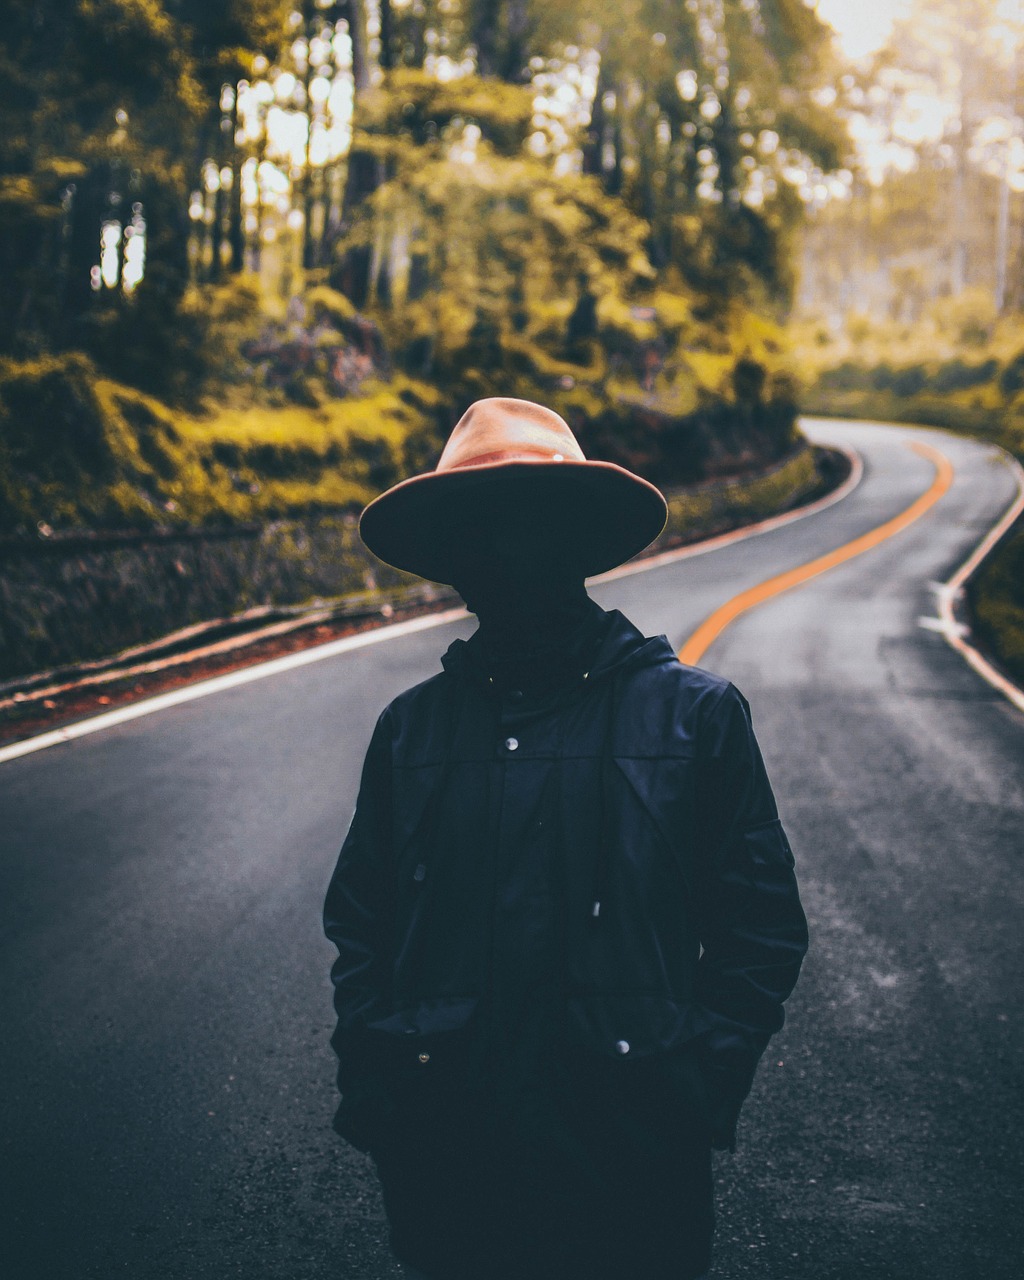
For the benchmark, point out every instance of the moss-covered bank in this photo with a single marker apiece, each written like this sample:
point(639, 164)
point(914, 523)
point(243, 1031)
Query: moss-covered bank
point(80, 452)
point(996, 598)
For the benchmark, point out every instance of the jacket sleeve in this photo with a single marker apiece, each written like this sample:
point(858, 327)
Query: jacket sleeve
point(752, 927)
point(358, 913)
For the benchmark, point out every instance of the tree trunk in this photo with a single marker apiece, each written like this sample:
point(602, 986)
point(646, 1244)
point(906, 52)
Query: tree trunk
point(217, 235)
point(386, 57)
point(365, 175)
point(419, 275)
point(360, 46)
point(334, 187)
point(959, 222)
point(83, 247)
point(485, 34)
point(593, 147)
point(515, 53)
point(383, 286)
point(613, 180)
point(236, 226)
point(354, 274)
point(305, 190)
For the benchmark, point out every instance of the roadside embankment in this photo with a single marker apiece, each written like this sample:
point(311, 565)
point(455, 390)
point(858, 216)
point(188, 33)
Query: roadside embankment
point(106, 616)
point(995, 598)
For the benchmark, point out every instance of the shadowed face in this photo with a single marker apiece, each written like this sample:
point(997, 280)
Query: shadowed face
point(511, 558)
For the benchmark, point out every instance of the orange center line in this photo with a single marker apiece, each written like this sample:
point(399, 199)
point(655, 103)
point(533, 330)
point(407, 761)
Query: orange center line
point(715, 623)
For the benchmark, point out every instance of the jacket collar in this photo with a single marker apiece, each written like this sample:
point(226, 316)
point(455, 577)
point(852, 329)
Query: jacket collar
point(605, 643)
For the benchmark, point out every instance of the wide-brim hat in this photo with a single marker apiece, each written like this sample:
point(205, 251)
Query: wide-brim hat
point(504, 449)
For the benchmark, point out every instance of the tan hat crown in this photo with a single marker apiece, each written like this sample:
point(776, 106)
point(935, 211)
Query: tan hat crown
point(501, 429)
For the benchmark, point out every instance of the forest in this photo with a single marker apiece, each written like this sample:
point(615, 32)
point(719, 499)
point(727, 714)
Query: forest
point(257, 256)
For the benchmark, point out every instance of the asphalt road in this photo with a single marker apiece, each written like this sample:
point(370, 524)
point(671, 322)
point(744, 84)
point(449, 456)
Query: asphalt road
point(167, 1085)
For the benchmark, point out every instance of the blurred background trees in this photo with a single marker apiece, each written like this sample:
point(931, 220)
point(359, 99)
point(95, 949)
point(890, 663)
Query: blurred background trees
point(284, 202)
point(158, 145)
point(933, 204)
point(912, 282)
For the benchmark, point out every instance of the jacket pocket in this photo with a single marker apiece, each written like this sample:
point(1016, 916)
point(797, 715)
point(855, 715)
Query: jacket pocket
point(400, 1065)
point(425, 1057)
point(634, 1058)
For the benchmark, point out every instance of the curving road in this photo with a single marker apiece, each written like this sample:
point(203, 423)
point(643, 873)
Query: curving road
point(167, 1083)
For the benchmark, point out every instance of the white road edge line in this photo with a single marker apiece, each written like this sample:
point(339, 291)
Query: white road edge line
point(940, 624)
point(258, 671)
point(949, 592)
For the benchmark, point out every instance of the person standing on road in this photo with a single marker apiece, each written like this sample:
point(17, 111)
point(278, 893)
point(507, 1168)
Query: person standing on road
point(565, 910)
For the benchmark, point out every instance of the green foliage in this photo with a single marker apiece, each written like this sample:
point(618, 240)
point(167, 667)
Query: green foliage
point(706, 509)
point(685, 161)
point(104, 105)
point(495, 274)
point(60, 393)
point(501, 245)
point(77, 449)
point(959, 367)
point(1011, 376)
point(99, 106)
point(960, 375)
point(415, 108)
point(997, 603)
point(329, 305)
point(912, 379)
point(968, 320)
point(620, 295)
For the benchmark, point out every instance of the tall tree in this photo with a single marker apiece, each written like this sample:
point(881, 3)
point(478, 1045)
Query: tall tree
point(110, 107)
point(699, 109)
point(100, 104)
point(222, 41)
point(937, 206)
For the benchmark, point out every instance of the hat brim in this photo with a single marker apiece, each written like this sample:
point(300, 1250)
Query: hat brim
point(606, 513)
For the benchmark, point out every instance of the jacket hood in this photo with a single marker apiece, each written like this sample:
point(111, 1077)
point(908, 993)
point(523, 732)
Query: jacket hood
point(625, 646)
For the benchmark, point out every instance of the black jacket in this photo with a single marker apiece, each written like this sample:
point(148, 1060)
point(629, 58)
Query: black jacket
point(540, 894)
